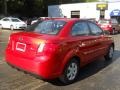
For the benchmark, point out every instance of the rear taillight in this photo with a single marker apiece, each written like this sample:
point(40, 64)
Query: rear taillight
point(41, 47)
point(47, 48)
point(9, 43)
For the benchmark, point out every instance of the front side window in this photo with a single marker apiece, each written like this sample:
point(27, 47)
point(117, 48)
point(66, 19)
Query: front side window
point(95, 30)
point(48, 26)
point(15, 20)
point(80, 28)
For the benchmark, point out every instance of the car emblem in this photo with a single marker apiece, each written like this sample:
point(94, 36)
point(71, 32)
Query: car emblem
point(20, 38)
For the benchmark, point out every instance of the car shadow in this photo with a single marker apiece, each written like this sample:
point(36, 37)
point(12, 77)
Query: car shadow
point(90, 69)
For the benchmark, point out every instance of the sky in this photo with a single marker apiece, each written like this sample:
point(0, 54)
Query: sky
point(110, 0)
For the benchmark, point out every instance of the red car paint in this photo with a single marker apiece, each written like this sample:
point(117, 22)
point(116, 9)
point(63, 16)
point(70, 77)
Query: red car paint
point(47, 55)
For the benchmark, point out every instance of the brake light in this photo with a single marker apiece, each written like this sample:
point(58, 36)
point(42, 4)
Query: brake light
point(41, 47)
point(47, 48)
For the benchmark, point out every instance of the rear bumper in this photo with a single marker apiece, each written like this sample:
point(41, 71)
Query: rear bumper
point(20, 27)
point(40, 66)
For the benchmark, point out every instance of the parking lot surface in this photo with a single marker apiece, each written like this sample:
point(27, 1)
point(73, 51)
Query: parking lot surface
point(99, 75)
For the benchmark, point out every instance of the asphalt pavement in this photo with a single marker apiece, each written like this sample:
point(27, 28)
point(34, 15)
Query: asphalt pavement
point(99, 75)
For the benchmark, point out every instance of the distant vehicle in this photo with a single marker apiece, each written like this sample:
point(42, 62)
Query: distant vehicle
point(34, 21)
point(110, 25)
point(58, 48)
point(92, 20)
point(12, 23)
point(40, 18)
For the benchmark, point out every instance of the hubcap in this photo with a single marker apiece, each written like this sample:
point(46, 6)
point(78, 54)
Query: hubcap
point(72, 71)
point(111, 52)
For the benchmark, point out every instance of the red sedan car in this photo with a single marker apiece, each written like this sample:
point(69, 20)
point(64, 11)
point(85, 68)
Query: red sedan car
point(58, 48)
point(110, 25)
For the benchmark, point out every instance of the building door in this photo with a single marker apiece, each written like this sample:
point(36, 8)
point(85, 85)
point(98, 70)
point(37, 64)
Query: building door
point(102, 14)
point(75, 14)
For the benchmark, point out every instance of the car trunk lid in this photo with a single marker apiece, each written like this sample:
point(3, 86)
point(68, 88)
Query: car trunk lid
point(27, 44)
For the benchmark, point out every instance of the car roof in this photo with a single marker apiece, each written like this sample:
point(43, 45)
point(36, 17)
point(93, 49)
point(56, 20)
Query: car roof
point(11, 17)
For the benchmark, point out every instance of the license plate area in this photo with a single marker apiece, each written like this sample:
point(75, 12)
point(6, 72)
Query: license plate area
point(20, 47)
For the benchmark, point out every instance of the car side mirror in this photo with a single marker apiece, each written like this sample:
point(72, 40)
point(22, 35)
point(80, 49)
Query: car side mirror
point(106, 32)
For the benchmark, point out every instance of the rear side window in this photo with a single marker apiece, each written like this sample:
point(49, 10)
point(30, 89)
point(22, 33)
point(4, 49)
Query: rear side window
point(48, 26)
point(80, 28)
point(6, 19)
point(95, 30)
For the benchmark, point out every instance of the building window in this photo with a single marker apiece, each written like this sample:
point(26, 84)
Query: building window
point(75, 14)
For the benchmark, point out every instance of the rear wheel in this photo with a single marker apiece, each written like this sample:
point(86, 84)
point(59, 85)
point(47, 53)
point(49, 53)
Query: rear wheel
point(71, 72)
point(109, 55)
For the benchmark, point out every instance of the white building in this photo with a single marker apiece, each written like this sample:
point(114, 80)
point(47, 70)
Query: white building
point(84, 10)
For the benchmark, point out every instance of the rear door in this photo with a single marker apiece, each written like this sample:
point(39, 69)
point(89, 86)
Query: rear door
point(99, 40)
point(86, 42)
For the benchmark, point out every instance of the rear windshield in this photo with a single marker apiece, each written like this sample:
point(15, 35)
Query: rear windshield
point(47, 27)
point(103, 21)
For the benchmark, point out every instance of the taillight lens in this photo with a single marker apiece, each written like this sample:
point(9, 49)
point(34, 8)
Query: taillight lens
point(47, 48)
point(9, 43)
point(41, 47)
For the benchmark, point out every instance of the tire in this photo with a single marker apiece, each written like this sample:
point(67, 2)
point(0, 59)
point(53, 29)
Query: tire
point(70, 72)
point(11, 27)
point(109, 54)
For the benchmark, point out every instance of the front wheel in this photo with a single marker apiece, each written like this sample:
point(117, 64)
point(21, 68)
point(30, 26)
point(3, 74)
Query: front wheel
point(11, 27)
point(71, 72)
point(109, 55)
point(0, 26)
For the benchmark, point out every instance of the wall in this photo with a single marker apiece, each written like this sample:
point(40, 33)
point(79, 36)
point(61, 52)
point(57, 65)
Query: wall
point(87, 10)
